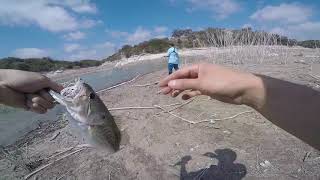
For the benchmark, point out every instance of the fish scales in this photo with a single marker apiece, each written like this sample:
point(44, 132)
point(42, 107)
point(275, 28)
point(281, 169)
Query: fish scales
point(85, 107)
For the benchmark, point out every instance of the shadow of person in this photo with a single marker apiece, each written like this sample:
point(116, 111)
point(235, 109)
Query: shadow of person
point(226, 169)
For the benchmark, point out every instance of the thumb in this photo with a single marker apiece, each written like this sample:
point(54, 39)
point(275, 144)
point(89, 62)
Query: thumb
point(184, 84)
point(55, 86)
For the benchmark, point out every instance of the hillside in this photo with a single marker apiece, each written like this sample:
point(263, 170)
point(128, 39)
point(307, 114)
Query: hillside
point(210, 37)
point(44, 64)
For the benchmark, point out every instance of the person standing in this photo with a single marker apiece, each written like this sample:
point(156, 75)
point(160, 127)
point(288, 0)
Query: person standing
point(173, 58)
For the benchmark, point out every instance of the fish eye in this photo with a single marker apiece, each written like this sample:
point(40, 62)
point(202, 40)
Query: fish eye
point(92, 95)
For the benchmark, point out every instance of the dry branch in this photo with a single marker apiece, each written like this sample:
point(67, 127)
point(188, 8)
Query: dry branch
point(47, 165)
point(183, 104)
point(129, 108)
point(231, 117)
point(115, 86)
point(234, 116)
point(55, 136)
point(183, 119)
point(314, 76)
point(141, 107)
point(69, 149)
point(62, 152)
point(146, 85)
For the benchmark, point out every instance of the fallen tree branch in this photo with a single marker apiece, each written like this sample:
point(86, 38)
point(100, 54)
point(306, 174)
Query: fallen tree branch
point(138, 107)
point(55, 136)
point(231, 117)
point(183, 104)
point(69, 149)
point(314, 76)
point(115, 86)
point(146, 85)
point(47, 165)
point(62, 152)
point(183, 119)
point(129, 108)
point(234, 116)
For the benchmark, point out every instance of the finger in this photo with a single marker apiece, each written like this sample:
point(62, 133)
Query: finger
point(175, 93)
point(45, 94)
point(34, 107)
point(187, 72)
point(190, 94)
point(40, 101)
point(166, 90)
point(12, 98)
point(54, 86)
point(184, 84)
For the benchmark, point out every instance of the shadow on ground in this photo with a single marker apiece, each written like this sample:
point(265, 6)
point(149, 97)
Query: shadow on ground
point(226, 169)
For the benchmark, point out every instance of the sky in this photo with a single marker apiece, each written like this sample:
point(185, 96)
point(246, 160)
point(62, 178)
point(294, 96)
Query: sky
point(95, 29)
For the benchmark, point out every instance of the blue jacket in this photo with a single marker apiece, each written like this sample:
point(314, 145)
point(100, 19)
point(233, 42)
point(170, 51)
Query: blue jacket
point(173, 55)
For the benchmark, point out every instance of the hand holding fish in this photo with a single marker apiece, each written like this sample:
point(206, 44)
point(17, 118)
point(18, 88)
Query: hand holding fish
point(27, 90)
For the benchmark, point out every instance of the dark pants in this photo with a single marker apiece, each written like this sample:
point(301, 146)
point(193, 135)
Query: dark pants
point(171, 66)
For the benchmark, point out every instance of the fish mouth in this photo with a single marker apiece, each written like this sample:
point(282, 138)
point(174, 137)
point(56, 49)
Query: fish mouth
point(74, 90)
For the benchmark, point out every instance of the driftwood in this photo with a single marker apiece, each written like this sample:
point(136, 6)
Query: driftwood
point(121, 84)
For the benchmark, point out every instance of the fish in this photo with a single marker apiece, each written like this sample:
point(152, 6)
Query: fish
point(89, 111)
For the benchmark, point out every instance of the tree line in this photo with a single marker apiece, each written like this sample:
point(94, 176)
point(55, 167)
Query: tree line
point(44, 64)
point(210, 37)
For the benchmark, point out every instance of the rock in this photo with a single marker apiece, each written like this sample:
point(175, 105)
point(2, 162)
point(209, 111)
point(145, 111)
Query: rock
point(266, 164)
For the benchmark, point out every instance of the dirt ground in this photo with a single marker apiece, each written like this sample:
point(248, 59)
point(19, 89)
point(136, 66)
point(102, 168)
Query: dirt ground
point(157, 145)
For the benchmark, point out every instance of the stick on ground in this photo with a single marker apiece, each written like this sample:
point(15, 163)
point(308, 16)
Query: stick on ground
point(141, 107)
point(146, 85)
point(47, 165)
point(314, 76)
point(183, 119)
point(231, 117)
point(181, 105)
point(55, 136)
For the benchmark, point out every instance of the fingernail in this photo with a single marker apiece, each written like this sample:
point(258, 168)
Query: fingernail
point(172, 83)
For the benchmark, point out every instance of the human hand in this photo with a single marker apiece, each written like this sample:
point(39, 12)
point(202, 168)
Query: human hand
point(27, 90)
point(217, 82)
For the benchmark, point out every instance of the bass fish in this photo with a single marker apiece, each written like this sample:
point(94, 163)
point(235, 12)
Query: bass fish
point(86, 108)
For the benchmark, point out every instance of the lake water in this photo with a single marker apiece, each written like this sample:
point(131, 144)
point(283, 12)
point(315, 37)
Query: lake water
point(15, 123)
